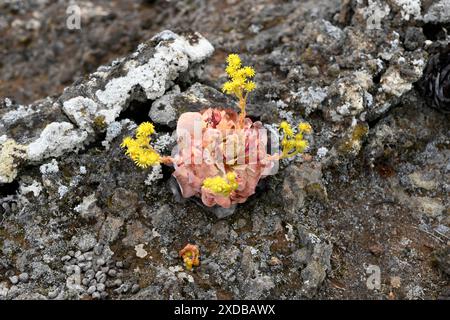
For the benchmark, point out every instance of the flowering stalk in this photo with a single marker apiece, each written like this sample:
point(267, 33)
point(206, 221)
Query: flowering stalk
point(239, 83)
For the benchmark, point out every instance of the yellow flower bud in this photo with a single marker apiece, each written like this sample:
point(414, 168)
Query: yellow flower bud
point(305, 127)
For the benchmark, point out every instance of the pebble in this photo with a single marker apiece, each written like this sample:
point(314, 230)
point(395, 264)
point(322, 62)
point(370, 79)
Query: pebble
point(14, 279)
point(112, 273)
point(119, 264)
point(91, 289)
point(100, 287)
point(77, 254)
point(135, 288)
point(81, 258)
point(90, 274)
point(117, 282)
point(23, 277)
point(71, 253)
point(89, 256)
point(98, 249)
point(96, 295)
point(87, 266)
point(123, 288)
point(100, 262)
point(98, 274)
point(72, 269)
point(9, 273)
point(53, 294)
point(102, 278)
point(65, 258)
point(85, 281)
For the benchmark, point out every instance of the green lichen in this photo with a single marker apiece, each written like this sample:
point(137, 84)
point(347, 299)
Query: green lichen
point(99, 122)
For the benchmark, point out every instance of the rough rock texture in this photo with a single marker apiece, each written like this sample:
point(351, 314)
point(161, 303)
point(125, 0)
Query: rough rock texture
point(82, 222)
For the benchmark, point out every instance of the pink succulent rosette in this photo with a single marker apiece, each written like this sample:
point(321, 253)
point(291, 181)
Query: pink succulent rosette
point(213, 143)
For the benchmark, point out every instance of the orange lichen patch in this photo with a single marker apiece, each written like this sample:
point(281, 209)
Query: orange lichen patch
point(191, 256)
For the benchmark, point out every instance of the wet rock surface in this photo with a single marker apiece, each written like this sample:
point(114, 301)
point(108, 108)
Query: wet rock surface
point(80, 221)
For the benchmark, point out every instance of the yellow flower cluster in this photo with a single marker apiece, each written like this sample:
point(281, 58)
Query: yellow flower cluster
point(239, 76)
point(220, 185)
point(139, 149)
point(293, 144)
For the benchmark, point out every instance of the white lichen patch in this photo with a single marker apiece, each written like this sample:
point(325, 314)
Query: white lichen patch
point(175, 269)
point(19, 113)
point(322, 152)
point(84, 207)
point(438, 12)
point(374, 13)
point(141, 47)
point(10, 153)
point(393, 83)
point(352, 93)
point(62, 190)
point(185, 276)
point(197, 50)
point(113, 131)
point(311, 97)
point(83, 170)
point(332, 30)
point(87, 208)
point(56, 139)
point(290, 236)
point(409, 9)
point(283, 113)
point(35, 188)
point(49, 168)
point(8, 102)
point(168, 61)
point(154, 175)
point(163, 142)
point(78, 110)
